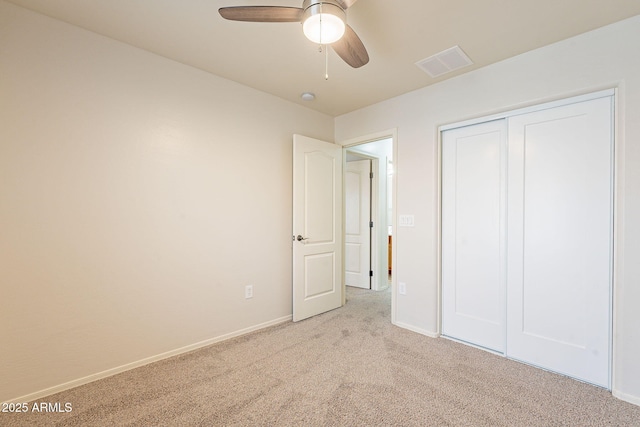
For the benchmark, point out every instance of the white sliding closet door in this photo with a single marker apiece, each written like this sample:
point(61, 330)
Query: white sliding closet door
point(473, 234)
point(527, 226)
point(559, 239)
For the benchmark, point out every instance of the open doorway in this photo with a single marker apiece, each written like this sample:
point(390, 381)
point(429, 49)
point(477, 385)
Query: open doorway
point(369, 214)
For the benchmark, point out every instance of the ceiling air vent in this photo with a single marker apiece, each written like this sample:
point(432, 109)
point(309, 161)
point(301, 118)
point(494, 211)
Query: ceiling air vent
point(444, 62)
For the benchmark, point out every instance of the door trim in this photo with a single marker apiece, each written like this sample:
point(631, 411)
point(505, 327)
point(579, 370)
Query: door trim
point(528, 109)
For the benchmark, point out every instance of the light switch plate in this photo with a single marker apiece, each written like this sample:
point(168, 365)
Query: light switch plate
point(402, 288)
point(406, 221)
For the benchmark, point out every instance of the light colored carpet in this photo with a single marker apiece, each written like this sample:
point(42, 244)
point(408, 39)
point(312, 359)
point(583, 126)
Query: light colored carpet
point(348, 367)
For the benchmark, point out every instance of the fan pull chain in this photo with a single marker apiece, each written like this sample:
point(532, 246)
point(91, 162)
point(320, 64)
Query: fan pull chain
point(326, 60)
point(326, 51)
point(326, 63)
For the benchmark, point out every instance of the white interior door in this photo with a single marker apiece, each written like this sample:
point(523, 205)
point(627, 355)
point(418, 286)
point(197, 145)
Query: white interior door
point(357, 246)
point(317, 227)
point(560, 228)
point(473, 234)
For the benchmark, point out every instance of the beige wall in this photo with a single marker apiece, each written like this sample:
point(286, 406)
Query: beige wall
point(600, 59)
point(138, 197)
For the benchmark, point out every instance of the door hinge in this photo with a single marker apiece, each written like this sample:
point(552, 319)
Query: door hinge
point(370, 273)
point(370, 224)
point(371, 175)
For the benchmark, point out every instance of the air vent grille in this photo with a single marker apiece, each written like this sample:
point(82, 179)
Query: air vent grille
point(444, 62)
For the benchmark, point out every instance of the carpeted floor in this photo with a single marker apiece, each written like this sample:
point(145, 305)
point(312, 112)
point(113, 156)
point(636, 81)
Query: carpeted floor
point(348, 367)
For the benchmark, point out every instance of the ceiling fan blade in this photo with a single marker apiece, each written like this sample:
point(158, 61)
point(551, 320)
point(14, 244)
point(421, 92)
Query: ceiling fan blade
point(351, 49)
point(345, 4)
point(261, 13)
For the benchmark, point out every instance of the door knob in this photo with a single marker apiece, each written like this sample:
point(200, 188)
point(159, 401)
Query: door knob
point(300, 238)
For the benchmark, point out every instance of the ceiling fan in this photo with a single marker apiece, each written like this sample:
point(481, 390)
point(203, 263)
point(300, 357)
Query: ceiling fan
point(323, 22)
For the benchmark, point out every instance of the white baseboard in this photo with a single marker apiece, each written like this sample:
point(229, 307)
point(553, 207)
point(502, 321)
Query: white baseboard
point(626, 397)
point(117, 370)
point(417, 330)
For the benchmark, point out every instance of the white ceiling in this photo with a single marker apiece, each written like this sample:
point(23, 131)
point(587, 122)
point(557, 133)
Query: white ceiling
point(278, 59)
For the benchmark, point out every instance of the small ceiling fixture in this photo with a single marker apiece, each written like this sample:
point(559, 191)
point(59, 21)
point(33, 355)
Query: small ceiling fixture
point(308, 96)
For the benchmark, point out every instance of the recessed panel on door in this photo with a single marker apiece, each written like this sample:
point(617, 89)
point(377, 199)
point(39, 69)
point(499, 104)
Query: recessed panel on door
point(319, 272)
point(320, 196)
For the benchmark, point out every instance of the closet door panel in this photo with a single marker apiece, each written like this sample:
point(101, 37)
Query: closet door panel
point(560, 225)
point(473, 207)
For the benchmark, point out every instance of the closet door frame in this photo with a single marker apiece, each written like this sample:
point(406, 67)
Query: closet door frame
point(530, 109)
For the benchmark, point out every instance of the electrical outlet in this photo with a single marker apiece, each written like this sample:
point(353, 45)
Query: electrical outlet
point(248, 291)
point(402, 288)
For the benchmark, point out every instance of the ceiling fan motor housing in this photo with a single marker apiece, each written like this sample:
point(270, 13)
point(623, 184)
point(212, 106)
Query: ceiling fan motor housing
point(323, 22)
point(308, 3)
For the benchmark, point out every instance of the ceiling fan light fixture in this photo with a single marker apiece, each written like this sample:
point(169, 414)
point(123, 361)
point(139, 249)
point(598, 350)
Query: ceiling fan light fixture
point(323, 22)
